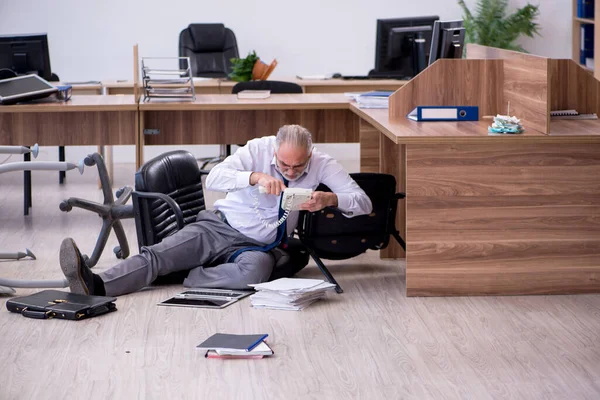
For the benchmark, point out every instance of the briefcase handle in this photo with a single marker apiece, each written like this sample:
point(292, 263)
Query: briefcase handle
point(37, 314)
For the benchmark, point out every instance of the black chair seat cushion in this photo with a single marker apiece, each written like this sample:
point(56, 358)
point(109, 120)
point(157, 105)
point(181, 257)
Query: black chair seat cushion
point(335, 237)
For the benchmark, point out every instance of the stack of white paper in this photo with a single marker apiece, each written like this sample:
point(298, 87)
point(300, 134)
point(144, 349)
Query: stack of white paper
point(289, 293)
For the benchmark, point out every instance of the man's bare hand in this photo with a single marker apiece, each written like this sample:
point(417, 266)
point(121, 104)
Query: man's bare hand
point(271, 184)
point(319, 201)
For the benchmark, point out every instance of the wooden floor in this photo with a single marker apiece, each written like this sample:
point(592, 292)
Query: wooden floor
point(370, 342)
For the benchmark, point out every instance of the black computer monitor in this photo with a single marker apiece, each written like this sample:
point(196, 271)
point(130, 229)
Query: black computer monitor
point(448, 40)
point(403, 46)
point(26, 54)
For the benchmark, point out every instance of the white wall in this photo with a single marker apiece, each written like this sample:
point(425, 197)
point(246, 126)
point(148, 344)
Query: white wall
point(93, 40)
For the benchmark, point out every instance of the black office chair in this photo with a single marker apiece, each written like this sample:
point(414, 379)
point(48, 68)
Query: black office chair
point(168, 195)
point(328, 234)
point(210, 48)
point(276, 87)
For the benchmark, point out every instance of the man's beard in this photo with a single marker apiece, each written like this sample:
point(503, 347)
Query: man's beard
point(298, 176)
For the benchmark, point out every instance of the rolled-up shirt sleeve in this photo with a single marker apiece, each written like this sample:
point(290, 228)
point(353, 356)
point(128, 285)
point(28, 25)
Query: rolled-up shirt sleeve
point(233, 173)
point(352, 200)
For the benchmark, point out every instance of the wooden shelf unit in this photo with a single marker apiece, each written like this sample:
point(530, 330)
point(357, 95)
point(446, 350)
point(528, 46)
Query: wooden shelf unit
point(576, 38)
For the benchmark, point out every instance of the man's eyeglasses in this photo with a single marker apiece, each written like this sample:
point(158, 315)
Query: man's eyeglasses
point(298, 167)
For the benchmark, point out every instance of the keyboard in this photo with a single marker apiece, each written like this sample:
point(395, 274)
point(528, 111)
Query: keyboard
point(365, 77)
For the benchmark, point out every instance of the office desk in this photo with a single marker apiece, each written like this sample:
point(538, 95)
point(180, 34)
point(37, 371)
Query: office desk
point(488, 215)
point(84, 120)
point(219, 86)
point(223, 119)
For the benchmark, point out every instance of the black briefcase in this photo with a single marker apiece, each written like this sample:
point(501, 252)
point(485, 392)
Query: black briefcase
point(64, 305)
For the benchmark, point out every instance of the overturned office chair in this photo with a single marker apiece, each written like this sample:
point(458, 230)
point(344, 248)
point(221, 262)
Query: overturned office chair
point(328, 234)
point(111, 211)
point(168, 195)
point(210, 48)
point(276, 87)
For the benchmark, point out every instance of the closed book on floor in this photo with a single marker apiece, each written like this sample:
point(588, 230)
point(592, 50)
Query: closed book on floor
point(231, 343)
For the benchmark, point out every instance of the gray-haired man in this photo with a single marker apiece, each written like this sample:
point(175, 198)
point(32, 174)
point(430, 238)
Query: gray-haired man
point(233, 246)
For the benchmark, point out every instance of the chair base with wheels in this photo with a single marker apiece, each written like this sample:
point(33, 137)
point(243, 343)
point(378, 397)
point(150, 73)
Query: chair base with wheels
point(111, 212)
point(330, 235)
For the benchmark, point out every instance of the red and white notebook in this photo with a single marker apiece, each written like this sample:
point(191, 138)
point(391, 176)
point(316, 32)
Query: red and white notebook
point(260, 351)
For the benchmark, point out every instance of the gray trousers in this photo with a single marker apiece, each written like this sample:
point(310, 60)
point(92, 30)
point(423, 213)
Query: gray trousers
point(203, 248)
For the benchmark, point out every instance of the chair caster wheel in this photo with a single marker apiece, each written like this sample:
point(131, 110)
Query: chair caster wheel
point(65, 206)
point(118, 252)
point(89, 161)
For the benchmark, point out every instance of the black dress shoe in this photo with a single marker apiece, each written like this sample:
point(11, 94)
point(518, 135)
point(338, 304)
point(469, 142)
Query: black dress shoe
point(78, 274)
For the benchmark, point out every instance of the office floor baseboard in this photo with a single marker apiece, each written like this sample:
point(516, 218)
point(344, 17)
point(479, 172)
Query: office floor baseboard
point(370, 342)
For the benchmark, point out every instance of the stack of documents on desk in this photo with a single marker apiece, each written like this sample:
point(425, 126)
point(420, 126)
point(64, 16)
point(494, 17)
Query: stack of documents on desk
point(289, 293)
point(374, 99)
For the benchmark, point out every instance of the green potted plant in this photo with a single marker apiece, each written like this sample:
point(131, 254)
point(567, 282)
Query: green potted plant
point(241, 68)
point(250, 68)
point(493, 26)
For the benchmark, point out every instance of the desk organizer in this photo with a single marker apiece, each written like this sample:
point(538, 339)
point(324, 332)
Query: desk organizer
point(161, 81)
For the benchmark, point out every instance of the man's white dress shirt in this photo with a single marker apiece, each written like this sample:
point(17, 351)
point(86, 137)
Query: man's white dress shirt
point(233, 176)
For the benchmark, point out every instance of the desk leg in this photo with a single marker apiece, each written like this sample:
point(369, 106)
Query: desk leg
point(61, 157)
point(107, 155)
point(393, 161)
point(26, 186)
point(139, 141)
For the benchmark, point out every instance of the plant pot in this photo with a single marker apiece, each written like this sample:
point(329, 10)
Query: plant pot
point(261, 71)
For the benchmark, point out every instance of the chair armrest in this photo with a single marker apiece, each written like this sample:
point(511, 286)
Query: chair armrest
point(400, 195)
point(167, 199)
point(204, 172)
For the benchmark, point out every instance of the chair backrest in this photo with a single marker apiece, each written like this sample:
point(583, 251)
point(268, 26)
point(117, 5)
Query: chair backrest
point(210, 48)
point(273, 86)
point(176, 174)
point(335, 237)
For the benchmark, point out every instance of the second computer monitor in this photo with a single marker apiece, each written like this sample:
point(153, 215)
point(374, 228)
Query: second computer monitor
point(447, 41)
point(26, 54)
point(403, 45)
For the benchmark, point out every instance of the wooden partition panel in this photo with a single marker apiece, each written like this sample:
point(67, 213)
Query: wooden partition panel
point(572, 87)
point(503, 219)
point(452, 83)
point(239, 126)
point(69, 128)
point(526, 84)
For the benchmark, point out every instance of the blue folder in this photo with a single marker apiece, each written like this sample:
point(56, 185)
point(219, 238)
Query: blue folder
point(444, 113)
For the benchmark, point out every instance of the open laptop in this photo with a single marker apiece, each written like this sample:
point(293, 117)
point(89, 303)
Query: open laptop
point(206, 298)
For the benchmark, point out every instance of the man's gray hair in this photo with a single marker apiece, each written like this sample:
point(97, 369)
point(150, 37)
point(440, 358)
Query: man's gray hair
point(294, 135)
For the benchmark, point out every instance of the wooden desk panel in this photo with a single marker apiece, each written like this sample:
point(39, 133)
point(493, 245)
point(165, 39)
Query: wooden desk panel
point(502, 219)
point(239, 126)
point(84, 120)
point(223, 119)
point(68, 128)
